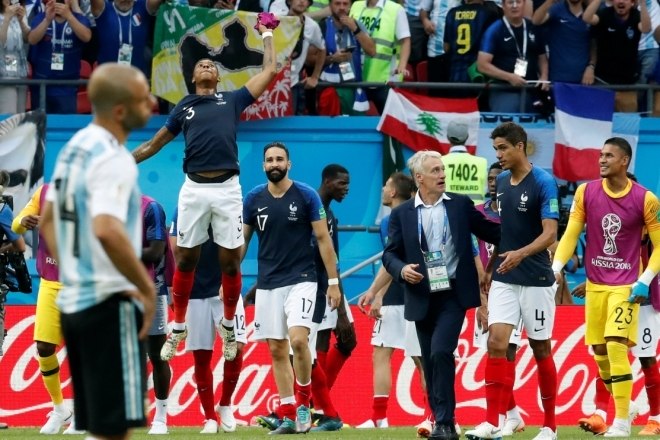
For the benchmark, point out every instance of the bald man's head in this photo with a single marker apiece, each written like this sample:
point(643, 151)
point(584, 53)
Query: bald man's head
point(120, 94)
point(112, 84)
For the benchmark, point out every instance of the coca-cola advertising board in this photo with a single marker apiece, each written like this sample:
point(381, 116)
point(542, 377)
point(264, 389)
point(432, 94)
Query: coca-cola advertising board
point(25, 402)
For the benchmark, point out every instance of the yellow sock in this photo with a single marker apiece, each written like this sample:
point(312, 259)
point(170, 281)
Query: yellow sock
point(50, 373)
point(621, 378)
point(603, 363)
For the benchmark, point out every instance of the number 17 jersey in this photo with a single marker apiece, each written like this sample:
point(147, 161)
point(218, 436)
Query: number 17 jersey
point(284, 228)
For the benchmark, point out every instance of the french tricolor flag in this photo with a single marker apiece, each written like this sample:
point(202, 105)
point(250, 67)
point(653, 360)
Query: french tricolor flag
point(583, 121)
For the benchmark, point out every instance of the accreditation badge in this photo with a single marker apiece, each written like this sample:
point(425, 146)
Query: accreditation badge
point(437, 270)
point(11, 63)
point(125, 54)
point(520, 68)
point(346, 71)
point(57, 61)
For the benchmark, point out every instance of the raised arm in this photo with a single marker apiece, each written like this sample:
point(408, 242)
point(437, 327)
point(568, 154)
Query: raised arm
point(589, 16)
point(258, 83)
point(542, 13)
point(153, 146)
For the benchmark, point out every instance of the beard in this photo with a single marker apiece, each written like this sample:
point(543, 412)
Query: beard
point(275, 175)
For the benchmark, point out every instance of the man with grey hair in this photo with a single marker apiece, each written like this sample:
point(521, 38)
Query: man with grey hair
point(465, 173)
point(430, 253)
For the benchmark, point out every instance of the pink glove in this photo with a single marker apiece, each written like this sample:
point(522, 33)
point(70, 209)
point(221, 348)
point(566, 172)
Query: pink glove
point(266, 19)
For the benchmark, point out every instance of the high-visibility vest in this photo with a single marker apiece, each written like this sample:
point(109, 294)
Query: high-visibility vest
point(381, 25)
point(466, 174)
point(317, 5)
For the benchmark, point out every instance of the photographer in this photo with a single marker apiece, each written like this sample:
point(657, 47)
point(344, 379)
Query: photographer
point(11, 242)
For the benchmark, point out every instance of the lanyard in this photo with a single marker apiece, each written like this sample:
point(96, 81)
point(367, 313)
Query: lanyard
point(445, 226)
point(522, 55)
point(130, 24)
point(61, 40)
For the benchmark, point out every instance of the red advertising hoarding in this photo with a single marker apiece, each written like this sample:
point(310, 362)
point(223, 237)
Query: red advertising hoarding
point(24, 401)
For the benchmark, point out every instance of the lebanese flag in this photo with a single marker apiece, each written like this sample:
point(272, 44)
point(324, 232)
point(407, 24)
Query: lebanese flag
point(420, 122)
point(583, 121)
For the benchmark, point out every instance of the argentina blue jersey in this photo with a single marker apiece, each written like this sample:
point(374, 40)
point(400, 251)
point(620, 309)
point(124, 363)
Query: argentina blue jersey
point(208, 276)
point(522, 208)
point(209, 124)
point(94, 175)
point(284, 228)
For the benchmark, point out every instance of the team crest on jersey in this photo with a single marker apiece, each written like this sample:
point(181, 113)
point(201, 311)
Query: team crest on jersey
point(293, 212)
point(611, 224)
point(522, 207)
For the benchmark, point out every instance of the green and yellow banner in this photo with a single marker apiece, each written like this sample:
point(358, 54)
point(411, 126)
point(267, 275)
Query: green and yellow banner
point(186, 34)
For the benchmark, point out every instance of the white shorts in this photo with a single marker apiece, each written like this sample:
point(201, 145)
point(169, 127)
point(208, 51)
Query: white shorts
point(648, 332)
point(203, 318)
point(159, 323)
point(217, 204)
point(411, 347)
point(277, 310)
point(390, 330)
point(480, 339)
point(509, 303)
point(330, 316)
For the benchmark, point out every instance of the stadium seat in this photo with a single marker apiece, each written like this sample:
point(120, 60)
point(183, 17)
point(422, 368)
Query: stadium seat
point(83, 104)
point(422, 71)
point(422, 75)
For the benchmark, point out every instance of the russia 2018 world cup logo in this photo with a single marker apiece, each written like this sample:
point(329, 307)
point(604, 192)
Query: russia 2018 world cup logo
point(611, 224)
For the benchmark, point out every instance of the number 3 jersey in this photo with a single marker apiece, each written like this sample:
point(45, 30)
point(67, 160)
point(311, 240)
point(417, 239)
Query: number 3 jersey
point(284, 228)
point(615, 225)
point(94, 175)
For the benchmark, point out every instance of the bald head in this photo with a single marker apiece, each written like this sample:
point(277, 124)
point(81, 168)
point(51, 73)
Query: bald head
point(112, 84)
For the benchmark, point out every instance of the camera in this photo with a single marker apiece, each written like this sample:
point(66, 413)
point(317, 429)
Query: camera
point(7, 200)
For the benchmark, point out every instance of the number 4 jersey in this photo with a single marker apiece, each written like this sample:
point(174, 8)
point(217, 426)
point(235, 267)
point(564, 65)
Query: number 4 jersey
point(94, 175)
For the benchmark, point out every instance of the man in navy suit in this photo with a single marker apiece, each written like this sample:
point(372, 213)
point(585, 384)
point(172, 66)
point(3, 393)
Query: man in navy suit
point(430, 252)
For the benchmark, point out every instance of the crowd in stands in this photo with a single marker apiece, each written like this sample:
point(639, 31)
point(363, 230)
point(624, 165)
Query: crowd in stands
point(510, 42)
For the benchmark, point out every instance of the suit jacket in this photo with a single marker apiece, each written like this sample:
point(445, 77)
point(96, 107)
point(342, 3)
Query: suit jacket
point(404, 248)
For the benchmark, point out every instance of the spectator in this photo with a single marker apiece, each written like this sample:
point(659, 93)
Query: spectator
point(568, 41)
point(419, 37)
point(310, 35)
point(345, 38)
point(469, 21)
point(511, 53)
point(617, 30)
point(433, 14)
point(386, 23)
point(57, 36)
point(648, 52)
point(131, 21)
point(14, 30)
